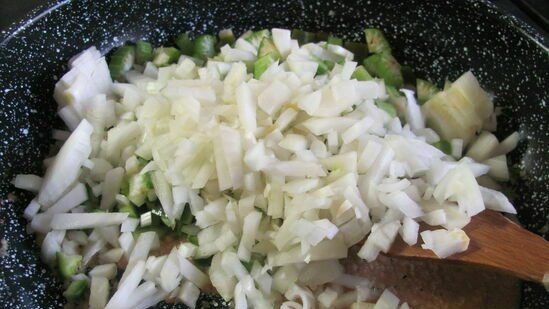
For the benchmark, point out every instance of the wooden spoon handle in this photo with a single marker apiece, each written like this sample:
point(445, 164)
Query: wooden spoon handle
point(495, 242)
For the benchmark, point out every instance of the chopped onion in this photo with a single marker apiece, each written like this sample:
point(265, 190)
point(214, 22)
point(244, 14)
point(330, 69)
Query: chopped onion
point(76, 221)
point(281, 174)
point(27, 182)
point(445, 243)
point(65, 169)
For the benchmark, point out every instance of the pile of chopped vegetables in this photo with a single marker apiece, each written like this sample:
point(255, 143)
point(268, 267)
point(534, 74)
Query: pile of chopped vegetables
point(251, 165)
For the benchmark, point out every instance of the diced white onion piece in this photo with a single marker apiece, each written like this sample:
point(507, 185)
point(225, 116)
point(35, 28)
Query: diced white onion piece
point(387, 300)
point(152, 300)
point(230, 141)
point(80, 237)
point(384, 235)
point(189, 294)
point(246, 108)
point(310, 102)
point(226, 240)
point(133, 276)
point(320, 126)
point(111, 187)
point(110, 234)
point(483, 146)
point(345, 162)
point(435, 217)
point(296, 169)
point(401, 201)
point(27, 182)
point(153, 266)
point(304, 295)
point(129, 225)
point(164, 192)
point(192, 273)
point(41, 222)
point(249, 234)
point(145, 219)
point(51, 245)
point(70, 117)
point(92, 249)
point(498, 168)
point(212, 213)
point(508, 144)
point(430, 135)
point(65, 168)
point(293, 142)
point(457, 147)
point(356, 130)
point(223, 282)
point(282, 41)
point(300, 185)
point(409, 231)
point(496, 200)
point(145, 242)
point(99, 292)
point(186, 250)
point(445, 243)
point(169, 275)
point(31, 210)
point(105, 270)
point(413, 114)
point(143, 292)
point(71, 199)
point(240, 301)
point(111, 256)
point(399, 185)
point(460, 184)
point(273, 97)
point(76, 221)
point(126, 242)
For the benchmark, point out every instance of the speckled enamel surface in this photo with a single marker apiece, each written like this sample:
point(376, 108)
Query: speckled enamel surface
point(439, 39)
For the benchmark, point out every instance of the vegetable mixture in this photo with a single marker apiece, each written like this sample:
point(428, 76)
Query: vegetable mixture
point(250, 165)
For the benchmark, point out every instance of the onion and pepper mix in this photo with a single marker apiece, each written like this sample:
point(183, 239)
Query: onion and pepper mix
point(250, 165)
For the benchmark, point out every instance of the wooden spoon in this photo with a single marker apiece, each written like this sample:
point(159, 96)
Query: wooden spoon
point(495, 242)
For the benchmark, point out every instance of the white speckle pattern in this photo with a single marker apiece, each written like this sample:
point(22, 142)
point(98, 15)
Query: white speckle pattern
point(439, 39)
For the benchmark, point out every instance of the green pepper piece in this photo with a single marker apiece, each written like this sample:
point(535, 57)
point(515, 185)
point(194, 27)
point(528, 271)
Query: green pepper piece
point(204, 46)
point(185, 44)
point(143, 52)
point(121, 61)
point(444, 146)
point(385, 66)
point(334, 40)
point(68, 264)
point(376, 41)
point(361, 74)
point(75, 290)
point(387, 107)
point(164, 56)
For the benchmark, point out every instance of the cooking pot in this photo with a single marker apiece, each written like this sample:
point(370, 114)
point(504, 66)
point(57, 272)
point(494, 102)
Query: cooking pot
point(439, 39)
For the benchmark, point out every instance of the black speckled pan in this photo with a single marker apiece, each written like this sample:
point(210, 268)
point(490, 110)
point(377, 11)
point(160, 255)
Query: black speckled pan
point(439, 39)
